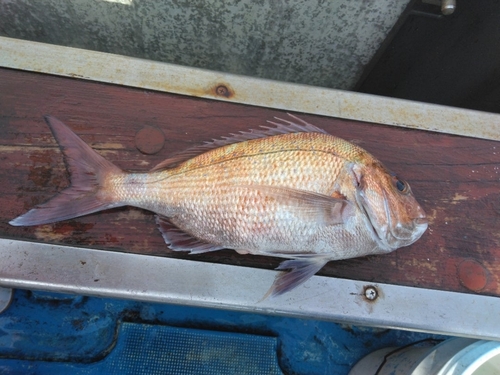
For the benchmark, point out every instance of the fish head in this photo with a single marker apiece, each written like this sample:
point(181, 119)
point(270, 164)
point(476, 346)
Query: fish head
point(392, 212)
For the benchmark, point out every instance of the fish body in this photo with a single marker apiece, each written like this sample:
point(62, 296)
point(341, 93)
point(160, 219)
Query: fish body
point(292, 191)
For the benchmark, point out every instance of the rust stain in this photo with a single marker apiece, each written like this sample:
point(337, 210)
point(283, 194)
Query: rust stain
point(368, 297)
point(219, 90)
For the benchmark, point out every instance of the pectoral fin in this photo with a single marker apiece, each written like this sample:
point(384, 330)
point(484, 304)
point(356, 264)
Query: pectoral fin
point(320, 208)
point(299, 271)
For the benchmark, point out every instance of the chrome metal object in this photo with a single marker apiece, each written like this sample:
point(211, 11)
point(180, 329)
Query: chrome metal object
point(447, 6)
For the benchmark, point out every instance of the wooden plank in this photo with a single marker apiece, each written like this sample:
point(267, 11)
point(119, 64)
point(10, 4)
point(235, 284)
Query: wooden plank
point(456, 179)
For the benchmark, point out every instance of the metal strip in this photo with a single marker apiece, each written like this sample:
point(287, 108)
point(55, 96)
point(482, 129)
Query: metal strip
point(122, 70)
point(146, 278)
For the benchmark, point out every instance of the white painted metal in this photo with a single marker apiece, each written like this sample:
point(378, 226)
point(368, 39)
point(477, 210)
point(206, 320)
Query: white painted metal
point(103, 67)
point(146, 278)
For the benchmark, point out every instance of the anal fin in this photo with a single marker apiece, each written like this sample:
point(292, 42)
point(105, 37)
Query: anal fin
point(178, 240)
point(299, 271)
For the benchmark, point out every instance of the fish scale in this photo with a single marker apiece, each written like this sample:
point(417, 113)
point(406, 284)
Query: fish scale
point(314, 143)
point(206, 194)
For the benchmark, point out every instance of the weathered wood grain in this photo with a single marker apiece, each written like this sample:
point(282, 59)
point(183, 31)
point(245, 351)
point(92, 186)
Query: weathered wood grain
point(456, 179)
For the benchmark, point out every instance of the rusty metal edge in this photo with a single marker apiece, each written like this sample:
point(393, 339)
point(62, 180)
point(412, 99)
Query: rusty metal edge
point(146, 74)
point(67, 269)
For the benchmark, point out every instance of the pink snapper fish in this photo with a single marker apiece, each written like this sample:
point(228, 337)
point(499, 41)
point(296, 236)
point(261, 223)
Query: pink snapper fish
point(291, 191)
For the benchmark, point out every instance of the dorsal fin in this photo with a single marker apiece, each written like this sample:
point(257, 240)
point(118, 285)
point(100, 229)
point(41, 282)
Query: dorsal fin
point(292, 127)
point(283, 127)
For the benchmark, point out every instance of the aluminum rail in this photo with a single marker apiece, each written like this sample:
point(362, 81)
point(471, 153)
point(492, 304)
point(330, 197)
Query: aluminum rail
point(84, 271)
point(146, 74)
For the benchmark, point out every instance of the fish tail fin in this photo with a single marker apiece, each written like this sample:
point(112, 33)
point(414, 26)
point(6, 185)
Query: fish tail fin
point(88, 172)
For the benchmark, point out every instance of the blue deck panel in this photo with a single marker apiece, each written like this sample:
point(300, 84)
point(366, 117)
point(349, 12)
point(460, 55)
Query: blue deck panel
point(51, 333)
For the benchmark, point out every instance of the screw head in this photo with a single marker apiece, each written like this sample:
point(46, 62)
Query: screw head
point(371, 293)
point(223, 90)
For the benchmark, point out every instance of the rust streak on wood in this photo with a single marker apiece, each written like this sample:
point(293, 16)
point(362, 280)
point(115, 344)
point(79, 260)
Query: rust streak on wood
point(456, 179)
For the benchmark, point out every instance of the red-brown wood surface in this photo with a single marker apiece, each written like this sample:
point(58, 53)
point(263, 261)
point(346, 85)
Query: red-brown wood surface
point(456, 179)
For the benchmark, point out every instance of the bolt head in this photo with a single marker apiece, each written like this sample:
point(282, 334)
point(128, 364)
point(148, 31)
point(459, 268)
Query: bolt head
point(371, 293)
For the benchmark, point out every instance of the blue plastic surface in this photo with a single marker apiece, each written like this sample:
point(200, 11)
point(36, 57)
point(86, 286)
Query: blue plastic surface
point(50, 333)
point(155, 349)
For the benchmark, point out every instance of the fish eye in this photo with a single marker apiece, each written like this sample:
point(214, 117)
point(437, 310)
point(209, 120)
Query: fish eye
point(401, 186)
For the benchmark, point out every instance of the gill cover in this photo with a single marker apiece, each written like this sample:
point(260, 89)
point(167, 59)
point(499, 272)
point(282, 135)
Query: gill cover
point(392, 214)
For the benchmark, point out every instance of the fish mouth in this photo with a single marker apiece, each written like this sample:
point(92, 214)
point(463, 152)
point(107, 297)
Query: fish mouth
point(420, 225)
point(421, 221)
point(385, 236)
